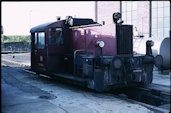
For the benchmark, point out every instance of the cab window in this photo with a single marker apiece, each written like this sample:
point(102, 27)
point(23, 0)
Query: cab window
point(41, 40)
point(35, 40)
point(56, 36)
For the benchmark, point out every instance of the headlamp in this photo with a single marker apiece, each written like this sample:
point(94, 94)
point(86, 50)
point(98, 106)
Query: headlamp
point(100, 43)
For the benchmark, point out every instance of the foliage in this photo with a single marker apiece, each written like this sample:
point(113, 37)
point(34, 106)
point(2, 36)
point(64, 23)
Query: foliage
point(16, 38)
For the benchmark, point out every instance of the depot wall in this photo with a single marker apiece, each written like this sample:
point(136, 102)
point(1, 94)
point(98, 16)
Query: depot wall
point(105, 9)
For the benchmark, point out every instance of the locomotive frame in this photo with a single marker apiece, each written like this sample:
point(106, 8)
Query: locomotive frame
point(85, 52)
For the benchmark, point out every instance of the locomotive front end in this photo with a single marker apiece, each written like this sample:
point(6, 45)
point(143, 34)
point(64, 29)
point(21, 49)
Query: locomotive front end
point(124, 69)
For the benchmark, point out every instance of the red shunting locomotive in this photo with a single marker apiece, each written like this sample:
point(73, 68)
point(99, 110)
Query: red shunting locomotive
point(86, 52)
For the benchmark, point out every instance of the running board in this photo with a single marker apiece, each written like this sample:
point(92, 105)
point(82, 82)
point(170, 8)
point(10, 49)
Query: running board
point(71, 77)
point(61, 75)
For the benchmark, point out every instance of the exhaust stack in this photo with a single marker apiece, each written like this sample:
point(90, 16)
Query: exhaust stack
point(58, 18)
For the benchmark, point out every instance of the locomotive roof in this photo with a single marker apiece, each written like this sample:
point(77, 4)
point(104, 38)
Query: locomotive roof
point(41, 27)
point(76, 22)
point(82, 21)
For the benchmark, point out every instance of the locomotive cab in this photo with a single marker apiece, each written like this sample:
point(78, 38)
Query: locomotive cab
point(85, 52)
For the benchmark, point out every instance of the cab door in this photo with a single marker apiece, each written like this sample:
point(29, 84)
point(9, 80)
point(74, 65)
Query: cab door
point(40, 51)
point(55, 50)
point(33, 44)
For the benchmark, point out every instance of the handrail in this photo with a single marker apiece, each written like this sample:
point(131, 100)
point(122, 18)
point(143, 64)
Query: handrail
point(82, 26)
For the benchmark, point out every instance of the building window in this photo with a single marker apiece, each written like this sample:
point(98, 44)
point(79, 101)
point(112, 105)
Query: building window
point(129, 12)
point(160, 19)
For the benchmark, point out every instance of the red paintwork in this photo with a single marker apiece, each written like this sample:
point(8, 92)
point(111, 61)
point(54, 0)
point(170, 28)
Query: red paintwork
point(86, 38)
point(78, 38)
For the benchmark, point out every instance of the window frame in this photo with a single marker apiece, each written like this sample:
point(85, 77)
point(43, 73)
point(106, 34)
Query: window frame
point(35, 39)
point(132, 19)
point(49, 37)
point(159, 17)
point(41, 45)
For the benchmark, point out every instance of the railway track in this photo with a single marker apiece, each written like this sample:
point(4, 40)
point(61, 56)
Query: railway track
point(156, 100)
point(155, 97)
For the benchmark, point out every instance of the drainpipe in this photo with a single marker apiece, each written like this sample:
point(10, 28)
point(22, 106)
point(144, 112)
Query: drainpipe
point(96, 11)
